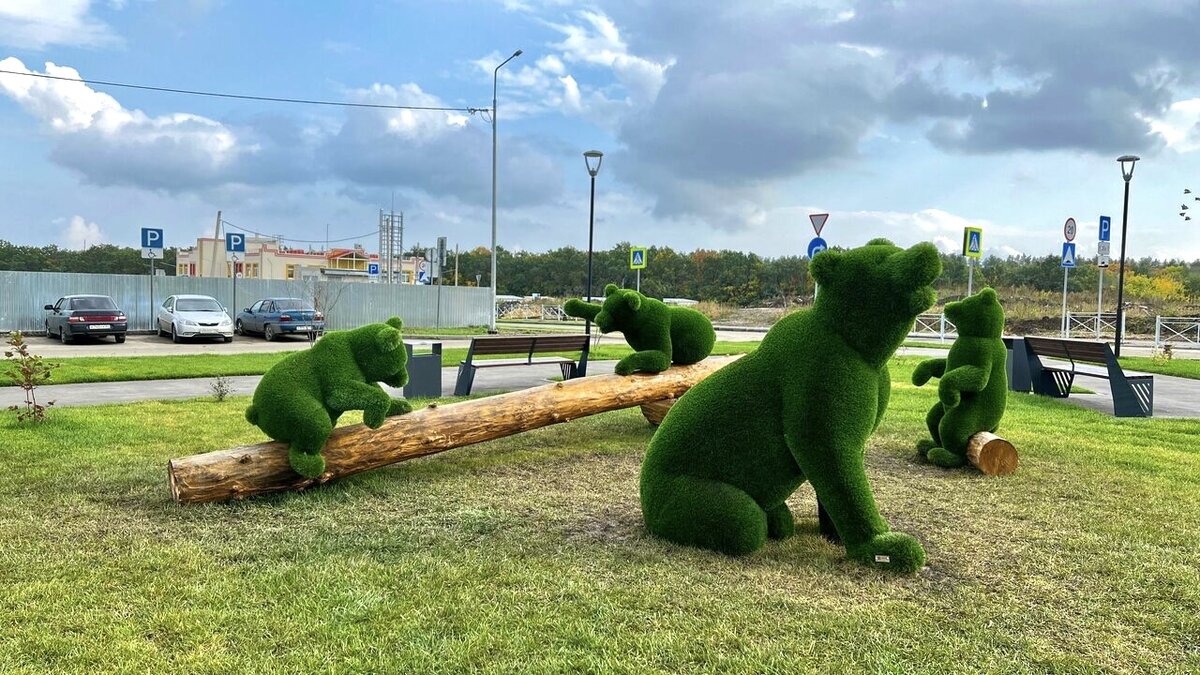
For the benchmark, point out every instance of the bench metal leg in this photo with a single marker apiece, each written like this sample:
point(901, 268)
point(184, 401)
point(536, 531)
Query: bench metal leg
point(1133, 396)
point(568, 370)
point(1056, 383)
point(466, 377)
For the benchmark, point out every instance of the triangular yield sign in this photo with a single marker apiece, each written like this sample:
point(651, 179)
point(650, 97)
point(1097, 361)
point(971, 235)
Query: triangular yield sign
point(818, 221)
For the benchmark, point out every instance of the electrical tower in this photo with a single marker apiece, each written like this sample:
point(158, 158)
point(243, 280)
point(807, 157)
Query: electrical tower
point(391, 246)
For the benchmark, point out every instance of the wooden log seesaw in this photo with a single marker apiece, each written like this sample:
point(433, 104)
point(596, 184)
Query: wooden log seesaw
point(991, 454)
point(263, 468)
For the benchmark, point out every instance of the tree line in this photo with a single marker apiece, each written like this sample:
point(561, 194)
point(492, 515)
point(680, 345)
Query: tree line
point(731, 277)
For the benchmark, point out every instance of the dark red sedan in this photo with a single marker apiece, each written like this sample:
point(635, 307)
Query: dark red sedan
point(85, 315)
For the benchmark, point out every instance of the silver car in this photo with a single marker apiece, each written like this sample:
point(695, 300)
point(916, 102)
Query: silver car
point(189, 316)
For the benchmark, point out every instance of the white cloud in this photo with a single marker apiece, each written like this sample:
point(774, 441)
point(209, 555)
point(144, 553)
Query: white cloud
point(1180, 125)
point(81, 234)
point(113, 145)
point(36, 24)
point(597, 41)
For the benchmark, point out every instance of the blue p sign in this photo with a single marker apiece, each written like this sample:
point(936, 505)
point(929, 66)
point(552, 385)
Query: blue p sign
point(152, 238)
point(1105, 228)
point(373, 269)
point(235, 243)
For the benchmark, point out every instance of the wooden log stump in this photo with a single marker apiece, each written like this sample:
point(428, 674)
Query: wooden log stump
point(992, 454)
point(263, 468)
point(655, 411)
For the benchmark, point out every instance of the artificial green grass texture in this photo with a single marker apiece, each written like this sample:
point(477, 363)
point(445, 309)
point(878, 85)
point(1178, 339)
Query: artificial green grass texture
point(799, 409)
point(132, 368)
point(527, 554)
point(660, 335)
point(972, 385)
point(300, 399)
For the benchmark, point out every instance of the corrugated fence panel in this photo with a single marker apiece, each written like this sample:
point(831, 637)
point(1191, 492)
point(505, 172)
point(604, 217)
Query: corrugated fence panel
point(346, 305)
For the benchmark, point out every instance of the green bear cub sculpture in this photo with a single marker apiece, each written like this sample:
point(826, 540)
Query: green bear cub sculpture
point(732, 450)
point(660, 334)
point(973, 390)
point(300, 399)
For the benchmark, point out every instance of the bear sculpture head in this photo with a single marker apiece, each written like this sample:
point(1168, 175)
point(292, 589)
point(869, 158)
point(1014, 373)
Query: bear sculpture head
point(879, 280)
point(379, 351)
point(978, 315)
point(619, 310)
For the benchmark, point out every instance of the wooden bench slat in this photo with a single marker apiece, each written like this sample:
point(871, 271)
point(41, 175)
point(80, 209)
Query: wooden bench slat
point(526, 345)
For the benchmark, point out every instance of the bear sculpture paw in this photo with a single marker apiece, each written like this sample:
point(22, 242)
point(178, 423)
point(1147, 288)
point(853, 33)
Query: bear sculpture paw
point(894, 551)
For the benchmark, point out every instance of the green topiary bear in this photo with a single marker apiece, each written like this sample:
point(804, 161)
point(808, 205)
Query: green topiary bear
point(300, 399)
point(974, 383)
point(660, 334)
point(733, 449)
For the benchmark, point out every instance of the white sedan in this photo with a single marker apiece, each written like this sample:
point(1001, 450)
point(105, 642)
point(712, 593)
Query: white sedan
point(188, 316)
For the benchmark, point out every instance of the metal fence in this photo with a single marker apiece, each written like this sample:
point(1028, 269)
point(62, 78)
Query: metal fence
point(1178, 331)
point(933, 325)
point(345, 304)
point(1094, 325)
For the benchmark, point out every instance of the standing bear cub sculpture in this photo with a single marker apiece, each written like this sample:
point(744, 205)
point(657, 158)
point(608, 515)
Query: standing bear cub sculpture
point(973, 390)
point(300, 399)
point(719, 470)
point(660, 334)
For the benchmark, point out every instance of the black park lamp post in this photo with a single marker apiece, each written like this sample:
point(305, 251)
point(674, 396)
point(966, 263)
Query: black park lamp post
point(1127, 162)
point(591, 159)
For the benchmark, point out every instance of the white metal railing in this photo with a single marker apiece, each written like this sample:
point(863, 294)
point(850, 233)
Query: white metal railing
point(1094, 324)
point(933, 325)
point(1178, 331)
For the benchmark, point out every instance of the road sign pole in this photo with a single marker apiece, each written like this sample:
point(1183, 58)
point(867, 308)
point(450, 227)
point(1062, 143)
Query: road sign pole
point(151, 312)
point(639, 281)
point(970, 275)
point(1099, 302)
point(1066, 330)
point(235, 275)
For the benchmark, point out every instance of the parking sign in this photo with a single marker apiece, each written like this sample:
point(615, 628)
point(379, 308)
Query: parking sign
point(152, 243)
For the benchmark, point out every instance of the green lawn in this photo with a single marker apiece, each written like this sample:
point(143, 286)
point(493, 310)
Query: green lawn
point(528, 555)
point(1178, 367)
point(129, 368)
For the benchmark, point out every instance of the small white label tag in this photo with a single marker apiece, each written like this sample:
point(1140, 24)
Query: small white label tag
point(883, 558)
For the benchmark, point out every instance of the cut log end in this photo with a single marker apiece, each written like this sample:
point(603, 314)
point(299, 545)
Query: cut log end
point(655, 411)
point(991, 454)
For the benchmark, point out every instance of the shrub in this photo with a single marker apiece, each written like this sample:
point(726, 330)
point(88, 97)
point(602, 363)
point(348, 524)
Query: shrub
point(27, 371)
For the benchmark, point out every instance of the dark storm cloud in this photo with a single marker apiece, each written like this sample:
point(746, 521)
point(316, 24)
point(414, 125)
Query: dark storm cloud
point(762, 92)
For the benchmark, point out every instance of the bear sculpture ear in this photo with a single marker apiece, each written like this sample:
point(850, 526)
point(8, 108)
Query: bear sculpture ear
point(989, 295)
point(610, 289)
point(388, 339)
point(823, 265)
point(395, 322)
point(634, 300)
point(880, 241)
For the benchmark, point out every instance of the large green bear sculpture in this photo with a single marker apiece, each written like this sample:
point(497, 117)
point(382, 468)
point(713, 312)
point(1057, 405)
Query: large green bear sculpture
point(973, 390)
point(660, 334)
point(300, 399)
point(801, 407)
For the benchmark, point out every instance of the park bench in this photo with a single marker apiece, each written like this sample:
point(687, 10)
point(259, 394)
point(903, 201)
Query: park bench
point(526, 346)
point(1133, 395)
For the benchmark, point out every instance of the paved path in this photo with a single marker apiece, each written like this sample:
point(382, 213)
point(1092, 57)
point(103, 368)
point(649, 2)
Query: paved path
point(1173, 396)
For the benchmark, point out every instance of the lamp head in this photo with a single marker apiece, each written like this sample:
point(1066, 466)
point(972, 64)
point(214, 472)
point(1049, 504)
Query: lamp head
point(1127, 162)
point(592, 159)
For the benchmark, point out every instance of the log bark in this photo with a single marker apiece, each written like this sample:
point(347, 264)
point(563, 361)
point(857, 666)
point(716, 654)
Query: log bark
point(252, 470)
point(991, 454)
point(655, 411)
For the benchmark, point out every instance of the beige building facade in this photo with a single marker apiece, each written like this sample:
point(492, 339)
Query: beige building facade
point(266, 259)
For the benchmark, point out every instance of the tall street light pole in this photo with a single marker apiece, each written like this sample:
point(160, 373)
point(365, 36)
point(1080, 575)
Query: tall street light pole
point(592, 160)
point(1127, 162)
point(495, 76)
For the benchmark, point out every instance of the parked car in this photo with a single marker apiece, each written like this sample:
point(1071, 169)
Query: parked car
point(279, 316)
point(188, 316)
point(91, 315)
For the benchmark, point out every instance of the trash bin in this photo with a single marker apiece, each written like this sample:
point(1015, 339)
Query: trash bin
point(424, 370)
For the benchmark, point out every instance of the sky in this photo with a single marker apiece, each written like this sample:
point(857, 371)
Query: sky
point(723, 124)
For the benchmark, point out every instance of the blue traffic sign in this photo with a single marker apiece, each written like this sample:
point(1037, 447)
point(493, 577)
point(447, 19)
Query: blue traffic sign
point(235, 242)
point(373, 269)
point(152, 238)
point(816, 246)
point(1068, 254)
point(1105, 228)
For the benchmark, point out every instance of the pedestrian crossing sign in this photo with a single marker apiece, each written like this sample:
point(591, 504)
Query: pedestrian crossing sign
point(637, 258)
point(973, 242)
point(1068, 254)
